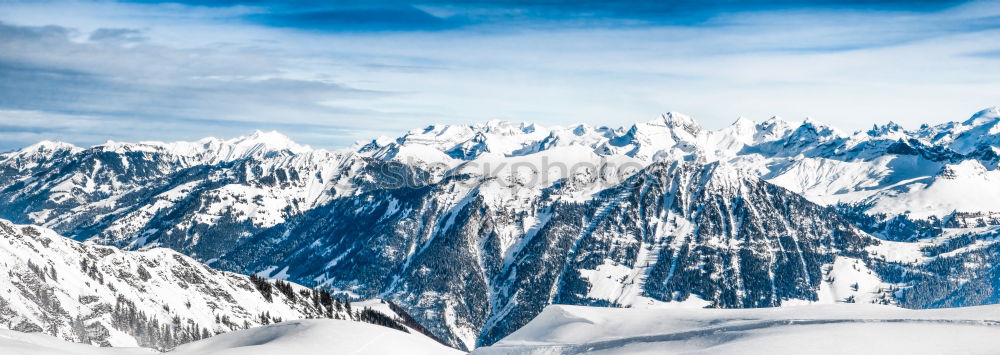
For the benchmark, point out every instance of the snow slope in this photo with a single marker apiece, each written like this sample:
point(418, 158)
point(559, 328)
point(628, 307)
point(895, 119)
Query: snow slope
point(292, 337)
point(316, 337)
point(20, 343)
point(158, 298)
point(815, 329)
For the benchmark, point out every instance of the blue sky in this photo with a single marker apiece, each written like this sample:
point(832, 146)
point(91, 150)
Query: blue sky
point(329, 73)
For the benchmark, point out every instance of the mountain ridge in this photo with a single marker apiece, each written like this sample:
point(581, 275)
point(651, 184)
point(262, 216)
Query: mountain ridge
point(277, 141)
point(154, 298)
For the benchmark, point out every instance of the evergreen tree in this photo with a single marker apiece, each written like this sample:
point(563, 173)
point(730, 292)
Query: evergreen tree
point(262, 285)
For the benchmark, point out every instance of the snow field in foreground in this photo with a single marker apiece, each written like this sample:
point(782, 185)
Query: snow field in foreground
point(299, 337)
point(813, 329)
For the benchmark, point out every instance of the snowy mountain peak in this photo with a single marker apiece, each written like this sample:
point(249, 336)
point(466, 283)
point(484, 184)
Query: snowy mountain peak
point(964, 169)
point(813, 123)
point(773, 128)
point(48, 146)
point(257, 144)
point(774, 119)
point(372, 145)
point(985, 116)
point(272, 135)
point(742, 121)
point(582, 129)
point(817, 128)
point(146, 146)
point(980, 132)
point(680, 120)
point(268, 140)
point(214, 149)
point(884, 130)
point(506, 128)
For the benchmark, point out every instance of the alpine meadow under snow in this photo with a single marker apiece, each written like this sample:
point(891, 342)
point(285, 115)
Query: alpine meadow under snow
point(510, 238)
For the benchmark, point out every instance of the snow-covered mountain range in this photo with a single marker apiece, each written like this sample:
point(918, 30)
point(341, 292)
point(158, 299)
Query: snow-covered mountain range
point(475, 229)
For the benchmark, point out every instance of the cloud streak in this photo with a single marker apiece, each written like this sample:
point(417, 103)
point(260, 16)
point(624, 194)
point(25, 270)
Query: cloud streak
point(116, 74)
point(383, 15)
point(406, 18)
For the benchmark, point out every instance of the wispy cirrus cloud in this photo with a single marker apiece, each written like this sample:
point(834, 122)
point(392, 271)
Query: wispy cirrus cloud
point(118, 75)
point(986, 54)
point(117, 35)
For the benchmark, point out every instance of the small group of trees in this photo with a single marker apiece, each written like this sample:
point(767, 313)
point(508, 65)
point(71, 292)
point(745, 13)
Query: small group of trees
point(372, 316)
point(150, 332)
point(43, 271)
point(91, 270)
point(326, 305)
point(333, 307)
point(266, 318)
point(285, 288)
point(329, 306)
point(263, 286)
